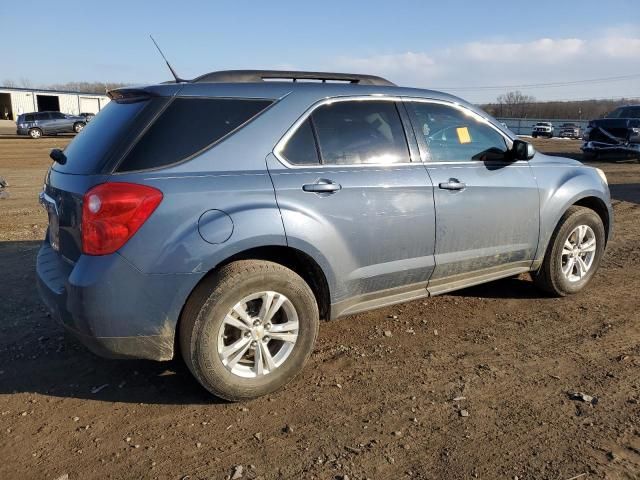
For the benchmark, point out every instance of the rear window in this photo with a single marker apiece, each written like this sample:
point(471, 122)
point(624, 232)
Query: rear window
point(186, 127)
point(92, 148)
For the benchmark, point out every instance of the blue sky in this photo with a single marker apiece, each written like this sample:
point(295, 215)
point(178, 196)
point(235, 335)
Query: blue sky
point(456, 46)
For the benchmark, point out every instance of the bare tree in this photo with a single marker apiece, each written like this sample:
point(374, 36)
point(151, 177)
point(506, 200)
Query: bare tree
point(514, 104)
point(569, 110)
point(87, 87)
point(25, 82)
point(9, 83)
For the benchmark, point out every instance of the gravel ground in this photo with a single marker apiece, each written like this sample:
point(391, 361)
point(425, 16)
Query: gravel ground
point(473, 384)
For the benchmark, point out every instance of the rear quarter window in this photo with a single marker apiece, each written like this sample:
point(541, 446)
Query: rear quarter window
point(188, 126)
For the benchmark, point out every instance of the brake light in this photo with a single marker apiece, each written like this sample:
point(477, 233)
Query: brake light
point(113, 212)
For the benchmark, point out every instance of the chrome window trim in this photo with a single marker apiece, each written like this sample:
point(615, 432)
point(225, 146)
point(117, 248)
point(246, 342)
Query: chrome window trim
point(277, 150)
point(424, 156)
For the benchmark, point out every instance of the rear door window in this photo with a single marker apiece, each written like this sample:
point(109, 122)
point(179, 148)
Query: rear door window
point(29, 118)
point(186, 127)
point(360, 132)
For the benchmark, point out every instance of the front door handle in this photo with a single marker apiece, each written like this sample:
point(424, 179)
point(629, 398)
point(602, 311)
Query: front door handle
point(453, 184)
point(322, 186)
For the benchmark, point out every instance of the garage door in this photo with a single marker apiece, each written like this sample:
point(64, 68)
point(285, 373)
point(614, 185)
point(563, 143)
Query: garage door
point(89, 105)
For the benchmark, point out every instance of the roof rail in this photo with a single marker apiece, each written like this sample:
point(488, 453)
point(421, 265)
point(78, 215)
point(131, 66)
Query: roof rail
point(252, 76)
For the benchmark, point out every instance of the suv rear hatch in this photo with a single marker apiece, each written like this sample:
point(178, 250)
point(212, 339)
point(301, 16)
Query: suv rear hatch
point(90, 158)
point(137, 131)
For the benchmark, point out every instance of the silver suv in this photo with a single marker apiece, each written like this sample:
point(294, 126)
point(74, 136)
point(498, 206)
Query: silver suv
point(224, 217)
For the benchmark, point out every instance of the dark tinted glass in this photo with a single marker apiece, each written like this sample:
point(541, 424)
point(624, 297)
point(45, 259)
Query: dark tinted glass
point(87, 153)
point(187, 126)
point(57, 116)
point(630, 112)
point(42, 116)
point(301, 147)
point(29, 118)
point(625, 112)
point(451, 135)
point(359, 132)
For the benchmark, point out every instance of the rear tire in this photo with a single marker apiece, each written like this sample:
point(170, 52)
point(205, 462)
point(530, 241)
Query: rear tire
point(573, 254)
point(271, 339)
point(35, 133)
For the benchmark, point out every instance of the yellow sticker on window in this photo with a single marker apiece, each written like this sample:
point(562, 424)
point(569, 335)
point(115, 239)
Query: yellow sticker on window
point(463, 135)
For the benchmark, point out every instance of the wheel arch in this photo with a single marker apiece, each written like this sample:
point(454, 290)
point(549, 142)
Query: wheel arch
point(298, 261)
point(597, 205)
point(590, 200)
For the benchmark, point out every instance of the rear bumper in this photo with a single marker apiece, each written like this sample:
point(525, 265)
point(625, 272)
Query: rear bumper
point(22, 131)
point(112, 308)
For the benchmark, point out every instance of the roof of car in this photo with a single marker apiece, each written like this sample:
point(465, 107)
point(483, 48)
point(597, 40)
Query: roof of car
point(271, 84)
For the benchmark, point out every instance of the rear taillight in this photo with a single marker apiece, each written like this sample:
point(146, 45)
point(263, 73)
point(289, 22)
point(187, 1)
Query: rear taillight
point(113, 212)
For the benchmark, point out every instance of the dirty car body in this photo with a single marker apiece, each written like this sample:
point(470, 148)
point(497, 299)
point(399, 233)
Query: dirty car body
point(420, 203)
point(616, 134)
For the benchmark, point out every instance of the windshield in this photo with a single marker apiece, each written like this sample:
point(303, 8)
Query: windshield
point(625, 112)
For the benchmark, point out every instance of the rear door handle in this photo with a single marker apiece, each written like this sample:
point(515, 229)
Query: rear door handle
point(322, 186)
point(453, 184)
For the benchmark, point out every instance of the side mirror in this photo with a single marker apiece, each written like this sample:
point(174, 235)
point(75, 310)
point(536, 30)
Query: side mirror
point(522, 150)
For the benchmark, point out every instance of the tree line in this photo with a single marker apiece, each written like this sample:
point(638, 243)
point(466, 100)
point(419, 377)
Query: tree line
point(82, 87)
point(518, 105)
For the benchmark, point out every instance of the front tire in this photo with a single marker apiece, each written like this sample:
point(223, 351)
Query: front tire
point(249, 330)
point(77, 127)
point(573, 254)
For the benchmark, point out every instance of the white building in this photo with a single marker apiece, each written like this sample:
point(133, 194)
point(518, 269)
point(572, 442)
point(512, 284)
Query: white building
point(15, 101)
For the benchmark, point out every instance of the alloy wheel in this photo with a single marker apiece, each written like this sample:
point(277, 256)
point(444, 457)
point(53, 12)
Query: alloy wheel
point(258, 334)
point(578, 253)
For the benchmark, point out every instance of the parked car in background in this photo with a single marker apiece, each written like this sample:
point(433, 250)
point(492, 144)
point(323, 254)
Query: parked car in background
point(616, 134)
point(542, 129)
point(570, 130)
point(87, 116)
point(222, 218)
point(37, 124)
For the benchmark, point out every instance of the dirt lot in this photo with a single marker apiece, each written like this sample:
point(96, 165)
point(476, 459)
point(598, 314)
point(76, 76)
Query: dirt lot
point(367, 406)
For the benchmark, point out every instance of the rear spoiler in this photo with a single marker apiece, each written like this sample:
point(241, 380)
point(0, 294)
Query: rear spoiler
point(129, 95)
